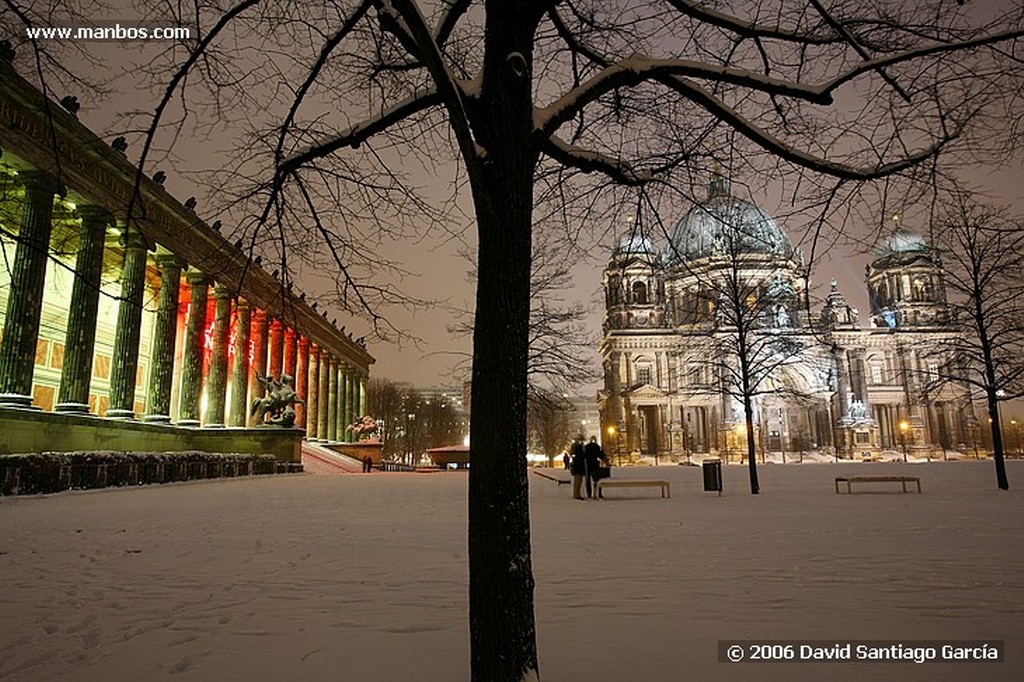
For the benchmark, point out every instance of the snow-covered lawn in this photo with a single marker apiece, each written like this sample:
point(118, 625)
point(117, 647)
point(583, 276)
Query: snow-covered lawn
point(363, 577)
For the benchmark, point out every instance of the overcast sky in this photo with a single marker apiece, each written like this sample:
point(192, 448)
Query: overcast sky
point(437, 270)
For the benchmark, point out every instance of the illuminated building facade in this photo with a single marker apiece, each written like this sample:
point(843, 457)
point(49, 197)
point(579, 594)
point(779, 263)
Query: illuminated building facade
point(159, 321)
point(849, 390)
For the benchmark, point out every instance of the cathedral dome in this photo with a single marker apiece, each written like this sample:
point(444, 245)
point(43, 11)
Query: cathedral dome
point(724, 220)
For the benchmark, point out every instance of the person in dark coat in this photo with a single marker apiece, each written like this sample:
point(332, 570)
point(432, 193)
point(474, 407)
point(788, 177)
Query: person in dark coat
point(579, 468)
point(592, 455)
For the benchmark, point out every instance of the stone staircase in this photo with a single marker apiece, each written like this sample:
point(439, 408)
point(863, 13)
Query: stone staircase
point(320, 460)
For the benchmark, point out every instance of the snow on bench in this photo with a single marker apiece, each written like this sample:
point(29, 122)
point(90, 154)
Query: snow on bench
point(625, 483)
point(902, 480)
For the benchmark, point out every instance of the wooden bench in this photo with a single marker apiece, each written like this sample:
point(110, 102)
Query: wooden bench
point(902, 480)
point(559, 481)
point(625, 483)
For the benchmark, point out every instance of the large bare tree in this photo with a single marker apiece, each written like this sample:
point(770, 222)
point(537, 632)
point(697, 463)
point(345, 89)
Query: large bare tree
point(346, 98)
point(982, 251)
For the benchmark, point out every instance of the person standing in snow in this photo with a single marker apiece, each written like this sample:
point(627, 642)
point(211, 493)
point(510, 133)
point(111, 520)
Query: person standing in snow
point(593, 455)
point(579, 468)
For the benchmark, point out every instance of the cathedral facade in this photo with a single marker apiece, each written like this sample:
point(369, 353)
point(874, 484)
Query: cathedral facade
point(720, 318)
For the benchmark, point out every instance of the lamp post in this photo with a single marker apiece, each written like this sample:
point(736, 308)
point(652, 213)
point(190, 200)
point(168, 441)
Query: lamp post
point(613, 432)
point(904, 426)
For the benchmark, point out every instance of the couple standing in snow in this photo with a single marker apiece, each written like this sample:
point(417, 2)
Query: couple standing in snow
point(587, 466)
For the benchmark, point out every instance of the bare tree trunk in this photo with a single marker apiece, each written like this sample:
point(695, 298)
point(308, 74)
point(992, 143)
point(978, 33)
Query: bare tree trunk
point(997, 441)
point(748, 413)
point(502, 627)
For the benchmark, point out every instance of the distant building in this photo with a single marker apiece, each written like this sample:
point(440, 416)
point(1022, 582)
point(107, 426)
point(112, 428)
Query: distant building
point(852, 389)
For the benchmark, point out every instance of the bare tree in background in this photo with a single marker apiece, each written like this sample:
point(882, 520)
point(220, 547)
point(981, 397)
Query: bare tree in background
point(384, 400)
point(549, 422)
point(982, 251)
point(631, 91)
point(743, 303)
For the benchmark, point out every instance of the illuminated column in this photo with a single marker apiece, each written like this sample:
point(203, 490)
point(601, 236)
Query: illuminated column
point(353, 397)
point(313, 384)
point(350, 400)
point(192, 350)
point(276, 348)
point(290, 339)
point(859, 377)
point(323, 394)
point(343, 415)
point(80, 338)
point(125, 362)
point(302, 381)
point(332, 400)
point(362, 394)
point(258, 334)
point(240, 365)
point(217, 386)
point(161, 363)
point(25, 299)
point(348, 415)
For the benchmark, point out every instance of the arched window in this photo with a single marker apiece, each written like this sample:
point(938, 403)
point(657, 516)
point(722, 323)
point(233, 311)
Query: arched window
point(640, 293)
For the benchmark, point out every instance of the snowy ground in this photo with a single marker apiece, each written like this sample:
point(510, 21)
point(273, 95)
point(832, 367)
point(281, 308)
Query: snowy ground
point(363, 577)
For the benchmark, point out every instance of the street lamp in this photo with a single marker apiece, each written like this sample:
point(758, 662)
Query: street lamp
point(613, 433)
point(904, 426)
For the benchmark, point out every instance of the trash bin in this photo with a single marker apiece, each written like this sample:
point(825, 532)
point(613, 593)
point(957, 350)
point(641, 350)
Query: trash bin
point(712, 470)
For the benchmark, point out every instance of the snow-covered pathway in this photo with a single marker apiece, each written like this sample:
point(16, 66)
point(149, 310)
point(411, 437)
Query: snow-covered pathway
point(363, 578)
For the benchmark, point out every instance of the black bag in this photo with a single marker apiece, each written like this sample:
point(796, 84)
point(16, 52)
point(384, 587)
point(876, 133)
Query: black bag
point(602, 472)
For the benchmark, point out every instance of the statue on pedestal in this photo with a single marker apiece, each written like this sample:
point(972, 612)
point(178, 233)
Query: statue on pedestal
point(277, 406)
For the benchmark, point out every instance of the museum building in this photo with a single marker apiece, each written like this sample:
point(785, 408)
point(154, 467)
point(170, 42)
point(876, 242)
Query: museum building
point(151, 333)
point(834, 386)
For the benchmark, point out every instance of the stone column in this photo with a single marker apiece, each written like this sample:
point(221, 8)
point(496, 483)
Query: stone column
point(80, 338)
point(302, 381)
point(332, 400)
point(290, 339)
point(161, 364)
point(258, 335)
point(842, 383)
point(25, 299)
point(217, 385)
point(240, 365)
point(345, 399)
point(858, 376)
point(343, 416)
point(362, 394)
point(354, 393)
point(125, 362)
point(353, 396)
point(192, 351)
point(276, 348)
point(313, 398)
point(323, 396)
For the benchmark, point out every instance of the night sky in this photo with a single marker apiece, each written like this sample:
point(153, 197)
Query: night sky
point(436, 264)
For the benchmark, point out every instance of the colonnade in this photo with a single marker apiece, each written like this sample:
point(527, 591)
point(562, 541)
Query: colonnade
point(211, 371)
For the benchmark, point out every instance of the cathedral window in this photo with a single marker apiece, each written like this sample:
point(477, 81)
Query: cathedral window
point(640, 293)
point(876, 373)
point(643, 374)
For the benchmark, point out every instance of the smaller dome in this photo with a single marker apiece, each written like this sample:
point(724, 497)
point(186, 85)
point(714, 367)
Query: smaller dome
point(901, 240)
point(634, 244)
